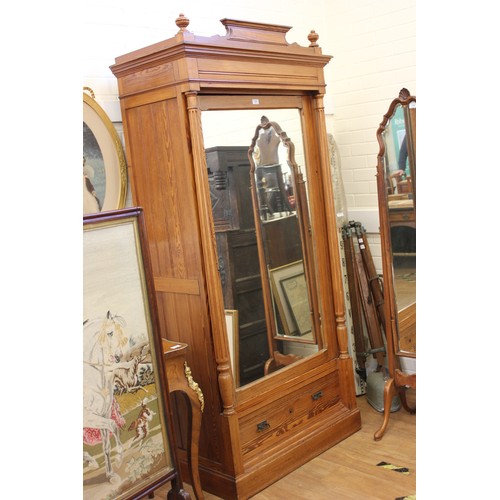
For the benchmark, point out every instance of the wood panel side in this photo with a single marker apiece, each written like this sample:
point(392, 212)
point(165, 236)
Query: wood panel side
point(245, 73)
point(163, 187)
point(157, 75)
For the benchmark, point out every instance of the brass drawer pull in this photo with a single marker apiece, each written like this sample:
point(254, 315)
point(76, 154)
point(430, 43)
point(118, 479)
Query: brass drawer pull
point(263, 426)
point(317, 395)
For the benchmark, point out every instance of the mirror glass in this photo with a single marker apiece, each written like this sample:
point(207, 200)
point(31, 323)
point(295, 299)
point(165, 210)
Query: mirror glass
point(400, 170)
point(277, 208)
point(259, 234)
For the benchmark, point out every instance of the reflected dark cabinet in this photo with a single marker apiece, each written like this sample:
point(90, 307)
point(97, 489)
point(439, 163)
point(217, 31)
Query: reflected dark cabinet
point(282, 241)
point(229, 181)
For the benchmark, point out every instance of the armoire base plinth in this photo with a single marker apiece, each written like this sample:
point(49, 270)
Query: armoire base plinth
point(273, 466)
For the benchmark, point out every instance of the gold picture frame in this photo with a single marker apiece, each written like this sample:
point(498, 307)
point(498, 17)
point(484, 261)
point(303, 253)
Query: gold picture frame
point(104, 164)
point(128, 436)
point(289, 287)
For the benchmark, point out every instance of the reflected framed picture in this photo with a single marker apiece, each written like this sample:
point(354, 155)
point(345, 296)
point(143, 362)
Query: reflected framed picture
point(104, 165)
point(232, 328)
point(127, 433)
point(289, 287)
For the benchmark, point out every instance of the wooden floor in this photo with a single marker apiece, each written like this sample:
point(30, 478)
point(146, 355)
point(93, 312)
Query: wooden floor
point(350, 469)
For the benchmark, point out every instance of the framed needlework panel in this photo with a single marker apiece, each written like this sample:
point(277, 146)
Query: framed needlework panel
point(104, 165)
point(127, 433)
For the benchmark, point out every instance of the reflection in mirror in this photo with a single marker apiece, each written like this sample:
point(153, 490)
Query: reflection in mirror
point(399, 181)
point(265, 273)
point(275, 192)
point(281, 213)
point(399, 167)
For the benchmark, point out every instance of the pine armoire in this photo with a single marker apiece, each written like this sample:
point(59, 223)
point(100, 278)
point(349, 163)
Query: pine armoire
point(248, 88)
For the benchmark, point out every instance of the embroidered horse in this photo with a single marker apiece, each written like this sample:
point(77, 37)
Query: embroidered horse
point(104, 341)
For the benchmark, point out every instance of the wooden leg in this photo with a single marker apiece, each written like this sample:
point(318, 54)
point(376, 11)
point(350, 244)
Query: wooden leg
point(177, 493)
point(180, 379)
point(404, 402)
point(195, 415)
point(389, 393)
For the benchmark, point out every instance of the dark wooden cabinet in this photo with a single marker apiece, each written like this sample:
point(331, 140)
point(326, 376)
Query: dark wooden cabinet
point(229, 181)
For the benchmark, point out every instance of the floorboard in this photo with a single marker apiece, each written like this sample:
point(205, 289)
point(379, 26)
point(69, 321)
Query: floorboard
point(350, 470)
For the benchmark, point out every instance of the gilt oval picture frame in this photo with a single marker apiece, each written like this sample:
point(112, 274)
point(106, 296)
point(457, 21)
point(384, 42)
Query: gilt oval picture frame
point(104, 165)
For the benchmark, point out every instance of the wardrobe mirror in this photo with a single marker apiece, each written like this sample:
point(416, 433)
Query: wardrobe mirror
point(258, 185)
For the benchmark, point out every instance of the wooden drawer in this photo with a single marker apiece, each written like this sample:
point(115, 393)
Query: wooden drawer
point(265, 427)
point(402, 216)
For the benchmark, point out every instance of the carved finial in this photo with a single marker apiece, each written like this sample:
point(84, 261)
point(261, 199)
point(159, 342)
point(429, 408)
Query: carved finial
point(404, 94)
point(182, 22)
point(313, 38)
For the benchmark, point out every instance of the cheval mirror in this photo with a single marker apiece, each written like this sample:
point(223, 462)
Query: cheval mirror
point(227, 152)
point(396, 183)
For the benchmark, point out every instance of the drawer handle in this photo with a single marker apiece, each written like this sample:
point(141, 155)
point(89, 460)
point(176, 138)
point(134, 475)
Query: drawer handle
point(263, 426)
point(317, 395)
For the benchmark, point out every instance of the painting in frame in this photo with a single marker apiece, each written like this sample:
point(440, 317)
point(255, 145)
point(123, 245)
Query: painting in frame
point(126, 434)
point(289, 289)
point(104, 165)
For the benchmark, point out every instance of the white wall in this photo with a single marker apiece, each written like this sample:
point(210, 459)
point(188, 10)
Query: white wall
point(115, 27)
point(374, 44)
point(374, 55)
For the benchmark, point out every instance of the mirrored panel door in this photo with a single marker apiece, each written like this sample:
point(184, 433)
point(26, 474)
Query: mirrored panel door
point(259, 209)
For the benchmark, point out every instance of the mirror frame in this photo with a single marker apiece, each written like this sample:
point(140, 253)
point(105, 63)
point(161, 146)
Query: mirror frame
point(302, 211)
point(408, 102)
point(398, 381)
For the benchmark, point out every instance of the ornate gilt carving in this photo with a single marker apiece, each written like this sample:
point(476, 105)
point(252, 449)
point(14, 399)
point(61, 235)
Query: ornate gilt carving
point(193, 385)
